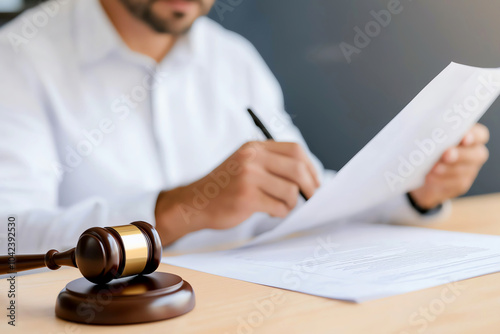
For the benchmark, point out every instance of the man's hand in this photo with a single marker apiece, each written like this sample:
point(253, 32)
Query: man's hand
point(258, 177)
point(457, 170)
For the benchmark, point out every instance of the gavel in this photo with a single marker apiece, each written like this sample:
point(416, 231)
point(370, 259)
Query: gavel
point(101, 254)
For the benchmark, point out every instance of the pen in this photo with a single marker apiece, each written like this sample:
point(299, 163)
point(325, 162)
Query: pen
point(266, 133)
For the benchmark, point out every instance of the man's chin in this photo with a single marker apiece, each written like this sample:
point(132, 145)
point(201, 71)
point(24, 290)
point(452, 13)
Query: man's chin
point(172, 20)
point(176, 29)
point(174, 25)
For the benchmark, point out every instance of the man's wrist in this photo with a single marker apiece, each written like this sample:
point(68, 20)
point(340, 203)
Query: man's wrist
point(171, 220)
point(422, 210)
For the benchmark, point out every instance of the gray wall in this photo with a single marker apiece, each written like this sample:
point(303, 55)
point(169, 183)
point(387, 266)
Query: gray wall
point(339, 106)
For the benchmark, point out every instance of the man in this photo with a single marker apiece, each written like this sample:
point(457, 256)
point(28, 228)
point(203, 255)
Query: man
point(124, 110)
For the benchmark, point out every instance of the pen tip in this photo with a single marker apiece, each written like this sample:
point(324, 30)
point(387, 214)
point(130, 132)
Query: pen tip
point(254, 118)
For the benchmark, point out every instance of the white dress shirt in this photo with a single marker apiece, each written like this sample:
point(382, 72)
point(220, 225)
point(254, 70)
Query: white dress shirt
point(91, 132)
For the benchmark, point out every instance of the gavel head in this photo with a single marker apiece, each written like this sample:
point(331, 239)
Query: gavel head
point(103, 254)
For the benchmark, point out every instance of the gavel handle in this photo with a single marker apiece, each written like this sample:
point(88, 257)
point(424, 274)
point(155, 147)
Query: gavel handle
point(52, 260)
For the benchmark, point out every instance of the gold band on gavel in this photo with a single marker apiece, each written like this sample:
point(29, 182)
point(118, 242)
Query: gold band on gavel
point(136, 249)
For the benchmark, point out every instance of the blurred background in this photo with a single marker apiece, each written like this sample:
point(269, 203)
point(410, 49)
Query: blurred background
point(339, 106)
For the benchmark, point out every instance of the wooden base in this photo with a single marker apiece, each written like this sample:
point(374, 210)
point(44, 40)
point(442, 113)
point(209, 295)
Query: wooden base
point(129, 300)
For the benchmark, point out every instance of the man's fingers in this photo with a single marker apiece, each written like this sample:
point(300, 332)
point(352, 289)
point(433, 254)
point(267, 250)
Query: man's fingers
point(450, 156)
point(452, 171)
point(473, 155)
point(457, 169)
point(294, 151)
point(294, 171)
point(452, 185)
point(468, 139)
point(272, 206)
point(278, 188)
point(481, 134)
point(478, 135)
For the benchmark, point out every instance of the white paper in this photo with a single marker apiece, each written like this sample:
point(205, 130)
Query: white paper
point(361, 261)
point(356, 262)
point(439, 117)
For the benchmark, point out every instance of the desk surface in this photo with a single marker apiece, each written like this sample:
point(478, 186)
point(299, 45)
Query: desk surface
point(229, 306)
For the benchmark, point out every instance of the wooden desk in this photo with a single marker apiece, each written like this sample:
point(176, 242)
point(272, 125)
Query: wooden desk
point(229, 306)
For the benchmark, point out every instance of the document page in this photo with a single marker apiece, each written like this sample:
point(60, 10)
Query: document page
point(400, 156)
point(356, 261)
point(363, 261)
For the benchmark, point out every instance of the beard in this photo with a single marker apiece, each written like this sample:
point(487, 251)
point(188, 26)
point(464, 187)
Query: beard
point(177, 24)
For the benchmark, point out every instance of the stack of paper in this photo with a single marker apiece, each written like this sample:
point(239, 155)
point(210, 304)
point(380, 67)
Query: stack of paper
point(356, 262)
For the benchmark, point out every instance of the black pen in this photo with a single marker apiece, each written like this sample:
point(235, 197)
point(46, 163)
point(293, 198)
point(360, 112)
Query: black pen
point(266, 133)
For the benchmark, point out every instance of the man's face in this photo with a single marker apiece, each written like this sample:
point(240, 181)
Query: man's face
point(169, 16)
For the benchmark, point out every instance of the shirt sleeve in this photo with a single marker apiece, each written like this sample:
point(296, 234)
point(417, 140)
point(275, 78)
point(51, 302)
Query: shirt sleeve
point(29, 183)
point(398, 210)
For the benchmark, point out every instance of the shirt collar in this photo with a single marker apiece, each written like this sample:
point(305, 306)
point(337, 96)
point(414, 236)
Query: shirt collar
point(190, 47)
point(97, 37)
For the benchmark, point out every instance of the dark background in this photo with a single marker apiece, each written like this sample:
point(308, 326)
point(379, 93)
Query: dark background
point(339, 106)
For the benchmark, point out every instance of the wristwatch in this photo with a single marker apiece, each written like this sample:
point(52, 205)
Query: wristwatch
point(422, 210)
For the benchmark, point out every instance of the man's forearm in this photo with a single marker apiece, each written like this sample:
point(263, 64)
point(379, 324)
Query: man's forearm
point(173, 219)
